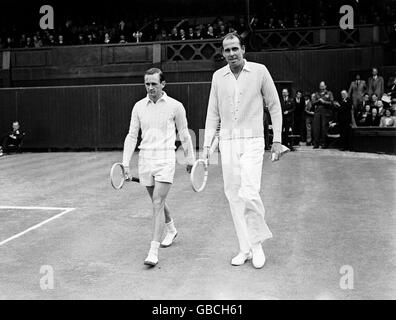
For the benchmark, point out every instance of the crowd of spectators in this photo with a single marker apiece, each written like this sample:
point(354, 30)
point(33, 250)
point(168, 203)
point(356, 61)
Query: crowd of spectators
point(105, 31)
point(314, 117)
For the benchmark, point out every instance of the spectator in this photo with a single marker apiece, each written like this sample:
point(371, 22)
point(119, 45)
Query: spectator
point(392, 37)
point(12, 139)
point(376, 84)
point(271, 23)
point(356, 90)
point(163, 36)
point(392, 88)
point(374, 119)
point(81, 40)
point(241, 25)
point(198, 34)
point(29, 43)
point(183, 35)
point(345, 119)
point(299, 116)
point(174, 36)
point(374, 100)
point(323, 103)
point(22, 41)
point(90, 39)
point(107, 39)
point(309, 116)
point(190, 35)
point(51, 40)
point(287, 105)
point(387, 120)
point(210, 34)
point(122, 39)
point(37, 43)
point(255, 24)
point(380, 105)
point(393, 106)
point(61, 41)
point(222, 31)
point(363, 116)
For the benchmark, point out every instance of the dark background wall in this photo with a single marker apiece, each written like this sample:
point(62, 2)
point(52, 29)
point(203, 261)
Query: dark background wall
point(90, 116)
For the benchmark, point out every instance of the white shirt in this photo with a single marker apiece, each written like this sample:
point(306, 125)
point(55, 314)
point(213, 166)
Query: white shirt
point(239, 104)
point(158, 122)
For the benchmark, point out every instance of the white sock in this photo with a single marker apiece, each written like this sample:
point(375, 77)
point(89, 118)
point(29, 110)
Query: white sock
point(170, 226)
point(154, 247)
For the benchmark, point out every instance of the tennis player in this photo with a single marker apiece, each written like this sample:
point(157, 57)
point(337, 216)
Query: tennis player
point(158, 116)
point(236, 101)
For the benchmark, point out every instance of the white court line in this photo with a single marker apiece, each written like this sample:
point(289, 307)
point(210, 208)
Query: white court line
point(64, 211)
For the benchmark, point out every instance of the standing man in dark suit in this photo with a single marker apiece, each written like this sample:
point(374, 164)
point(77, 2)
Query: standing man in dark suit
point(356, 90)
point(345, 118)
point(376, 84)
point(288, 108)
point(323, 102)
point(299, 116)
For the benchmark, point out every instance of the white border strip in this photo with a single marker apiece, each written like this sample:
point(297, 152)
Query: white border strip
point(64, 211)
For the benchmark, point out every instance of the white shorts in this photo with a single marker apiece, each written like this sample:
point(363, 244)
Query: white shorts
point(151, 170)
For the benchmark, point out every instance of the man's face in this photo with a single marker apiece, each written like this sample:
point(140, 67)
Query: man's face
point(375, 72)
point(233, 52)
point(357, 77)
point(299, 95)
point(15, 126)
point(344, 94)
point(153, 85)
point(322, 86)
point(374, 111)
point(285, 93)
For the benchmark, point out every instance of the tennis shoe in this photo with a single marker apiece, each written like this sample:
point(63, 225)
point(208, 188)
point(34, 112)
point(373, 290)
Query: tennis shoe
point(152, 259)
point(241, 258)
point(258, 256)
point(168, 240)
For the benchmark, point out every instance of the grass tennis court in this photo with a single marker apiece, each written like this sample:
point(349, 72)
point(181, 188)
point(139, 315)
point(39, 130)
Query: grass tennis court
point(326, 209)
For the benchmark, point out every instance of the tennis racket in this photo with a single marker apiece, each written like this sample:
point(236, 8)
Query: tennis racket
point(199, 171)
point(118, 176)
point(284, 150)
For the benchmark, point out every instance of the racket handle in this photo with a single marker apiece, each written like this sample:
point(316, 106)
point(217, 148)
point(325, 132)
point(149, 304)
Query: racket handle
point(135, 179)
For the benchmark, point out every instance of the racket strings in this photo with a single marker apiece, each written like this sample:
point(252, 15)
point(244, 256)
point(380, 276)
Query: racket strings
point(199, 176)
point(117, 176)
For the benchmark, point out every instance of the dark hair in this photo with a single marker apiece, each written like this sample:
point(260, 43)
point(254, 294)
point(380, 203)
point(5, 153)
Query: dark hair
point(299, 91)
point(152, 71)
point(232, 35)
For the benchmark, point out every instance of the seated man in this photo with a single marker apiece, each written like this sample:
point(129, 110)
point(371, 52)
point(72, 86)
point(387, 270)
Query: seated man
point(11, 140)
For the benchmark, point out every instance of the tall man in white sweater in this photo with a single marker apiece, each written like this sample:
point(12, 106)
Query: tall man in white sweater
point(158, 116)
point(236, 101)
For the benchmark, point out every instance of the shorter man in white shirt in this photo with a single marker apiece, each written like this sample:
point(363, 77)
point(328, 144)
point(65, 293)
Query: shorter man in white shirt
point(158, 116)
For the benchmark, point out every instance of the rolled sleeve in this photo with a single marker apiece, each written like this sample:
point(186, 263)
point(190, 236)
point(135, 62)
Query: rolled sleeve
point(271, 98)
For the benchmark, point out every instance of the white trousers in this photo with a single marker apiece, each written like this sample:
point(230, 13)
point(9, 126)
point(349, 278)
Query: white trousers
point(242, 161)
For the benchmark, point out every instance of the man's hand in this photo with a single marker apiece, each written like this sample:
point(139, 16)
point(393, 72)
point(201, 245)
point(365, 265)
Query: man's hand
point(276, 150)
point(205, 154)
point(127, 171)
point(189, 167)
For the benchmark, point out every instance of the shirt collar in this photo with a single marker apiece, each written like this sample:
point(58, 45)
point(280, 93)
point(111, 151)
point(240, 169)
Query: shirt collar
point(164, 97)
point(245, 67)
